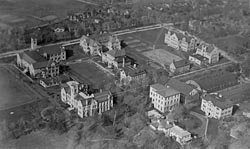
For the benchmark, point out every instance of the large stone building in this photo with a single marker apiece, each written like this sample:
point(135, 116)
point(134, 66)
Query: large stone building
point(208, 51)
point(164, 98)
point(216, 106)
point(76, 96)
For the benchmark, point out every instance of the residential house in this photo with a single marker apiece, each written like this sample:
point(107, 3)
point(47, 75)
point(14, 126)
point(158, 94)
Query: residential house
point(50, 82)
point(180, 66)
point(181, 136)
point(114, 58)
point(216, 106)
point(128, 74)
point(198, 59)
point(76, 96)
point(55, 53)
point(90, 46)
point(161, 125)
point(37, 65)
point(188, 92)
point(180, 40)
point(108, 40)
point(164, 98)
point(209, 51)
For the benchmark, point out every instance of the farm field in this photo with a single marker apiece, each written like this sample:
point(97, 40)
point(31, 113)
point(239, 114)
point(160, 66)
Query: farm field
point(13, 92)
point(88, 72)
point(141, 47)
point(34, 12)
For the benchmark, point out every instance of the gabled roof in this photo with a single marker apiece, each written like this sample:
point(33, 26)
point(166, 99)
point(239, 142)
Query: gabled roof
point(102, 96)
point(44, 64)
point(179, 131)
point(55, 49)
point(181, 63)
point(130, 71)
point(217, 100)
point(210, 47)
point(164, 91)
point(66, 88)
point(180, 86)
point(117, 53)
point(32, 57)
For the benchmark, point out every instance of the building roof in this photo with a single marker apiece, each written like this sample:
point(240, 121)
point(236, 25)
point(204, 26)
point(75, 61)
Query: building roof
point(180, 34)
point(102, 96)
point(131, 71)
point(180, 86)
point(66, 88)
point(181, 63)
point(199, 57)
point(117, 53)
point(210, 47)
point(32, 57)
point(164, 91)
point(44, 64)
point(54, 49)
point(217, 100)
point(164, 124)
point(179, 131)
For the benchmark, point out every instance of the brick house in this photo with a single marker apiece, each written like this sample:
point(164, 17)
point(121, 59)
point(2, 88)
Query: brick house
point(164, 98)
point(209, 51)
point(37, 65)
point(216, 106)
point(180, 66)
point(128, 74)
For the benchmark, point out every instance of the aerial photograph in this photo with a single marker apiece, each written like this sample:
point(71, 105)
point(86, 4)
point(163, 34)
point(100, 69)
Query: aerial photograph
point(124, 74)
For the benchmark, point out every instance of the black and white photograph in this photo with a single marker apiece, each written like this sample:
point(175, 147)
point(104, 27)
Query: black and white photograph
point(124, 74)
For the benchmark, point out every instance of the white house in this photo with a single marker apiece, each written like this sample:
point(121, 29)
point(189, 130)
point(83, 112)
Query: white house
point(181, 136)
point(164, 98)
point(216, 106)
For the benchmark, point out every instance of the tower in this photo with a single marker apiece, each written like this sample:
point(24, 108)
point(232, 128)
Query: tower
point(33, 43)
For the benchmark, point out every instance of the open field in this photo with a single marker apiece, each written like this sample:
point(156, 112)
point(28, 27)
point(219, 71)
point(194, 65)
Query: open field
point(13, 91)
point(162, 56)
point(34, 12)
point(88, 72)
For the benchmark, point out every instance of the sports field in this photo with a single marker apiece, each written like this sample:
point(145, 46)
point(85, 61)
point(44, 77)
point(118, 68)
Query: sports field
point(13, 91)
point(141, 47)
point(88, 72)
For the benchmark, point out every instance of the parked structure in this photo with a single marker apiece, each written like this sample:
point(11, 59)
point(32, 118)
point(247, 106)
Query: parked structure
point(128, 74)
point(180, 66)
point(164, 98)
point(216, 106)
point(76, 96)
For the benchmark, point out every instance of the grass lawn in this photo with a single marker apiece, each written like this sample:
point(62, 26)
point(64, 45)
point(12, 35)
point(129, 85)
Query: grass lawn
point(88, 72)
point(13, 91)
point(212, 130)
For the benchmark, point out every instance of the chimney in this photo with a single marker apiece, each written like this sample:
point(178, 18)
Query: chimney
point(123, 62)
point(33, 43)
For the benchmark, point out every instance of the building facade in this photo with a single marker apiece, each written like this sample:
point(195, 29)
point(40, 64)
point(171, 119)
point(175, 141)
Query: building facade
point(90, 46)
point(180, 40)
point(128, 74)
point(208, 51)
point(215, 106)
point(114, 58)
point(37, 65)
point(164, 98)
point(76, 96)
point(180, 135)
point(55, 53)
point(180, 66)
